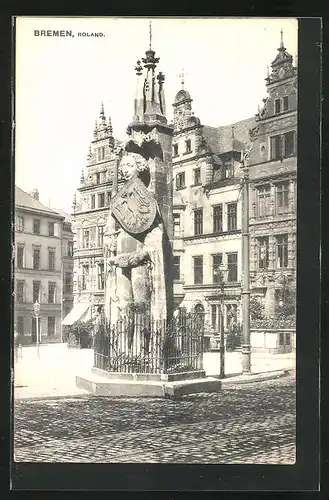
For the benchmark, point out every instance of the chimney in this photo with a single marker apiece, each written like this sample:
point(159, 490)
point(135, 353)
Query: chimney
point(35, 194)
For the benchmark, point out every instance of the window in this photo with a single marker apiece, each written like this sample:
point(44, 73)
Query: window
point(281, 338)
point(177, 225)
point(188, 148)
point(282, 250)
point(51, 326)
point(101, 276)
point(288, 340)
point(36, 226)
point(232, 265)
point(36, 291)
point(276, 147)
point(19, 223)
point(180, 180)
point(20, 325)
point(176, 265)
point(70, 249)
point(214, 316)
point(264, 198)
point(285, 103)
point(68, 283)
point(100, 239)
point(86, 238)
point(283, 145)
point(282, 198)
point(198, 270)
point(101, 200)
point(101, 153)
point(34, 329)
point(92, 204)
point(108, 196)
point(277, 106)
point(51, 292)
point(216, 262)
point(198, 221)
point(262, 244)
point(20, 257)
point(197, 176)
point(36, 258)
point(85, 272)
point(20, 291)
point(231, 216)
point(218, 219)
point(175, 150)
point(51, 260)
point(51, 228)
point(289, 143)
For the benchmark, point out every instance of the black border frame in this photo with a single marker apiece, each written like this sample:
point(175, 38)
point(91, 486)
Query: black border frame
point(304, 476)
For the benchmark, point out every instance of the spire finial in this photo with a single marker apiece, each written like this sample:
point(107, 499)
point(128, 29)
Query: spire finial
point(281, 41)
point(102, 114)
point(182, 77)
point(150, 33)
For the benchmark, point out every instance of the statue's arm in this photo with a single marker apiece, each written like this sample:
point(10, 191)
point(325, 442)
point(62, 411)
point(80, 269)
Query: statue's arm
point(133, 259)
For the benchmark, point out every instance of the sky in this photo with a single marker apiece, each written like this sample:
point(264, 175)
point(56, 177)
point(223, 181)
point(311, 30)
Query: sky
point(61, 82)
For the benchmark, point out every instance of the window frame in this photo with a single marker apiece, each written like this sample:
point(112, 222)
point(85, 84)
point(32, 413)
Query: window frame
point(282, 246)
point(264, 193)
point(229, 215)
point(51, 259)
point(198, 267)
point(197, 179)
point(176, 267)
point(198, 222)
point(51, 292)
point(38, 298)
point(36, 251)
point(215, 218)
point(19, 223)
point(234, 266)
point(20, 283)
point(180, 180)
point(36, 225)
point(260, 240)
point(216, 278)
point(188, 146)
point(18, 255)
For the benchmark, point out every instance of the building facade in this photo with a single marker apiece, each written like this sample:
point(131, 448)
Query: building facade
point(89, 219)
point(273, 193)
point(208, 205)
point(39, 235)
point(207, 213)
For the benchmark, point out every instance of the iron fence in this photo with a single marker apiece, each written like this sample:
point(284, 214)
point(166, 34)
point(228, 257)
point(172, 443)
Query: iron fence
point(139, 344)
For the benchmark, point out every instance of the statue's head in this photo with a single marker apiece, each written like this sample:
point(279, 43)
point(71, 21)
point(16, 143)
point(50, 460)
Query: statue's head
point(133, 164)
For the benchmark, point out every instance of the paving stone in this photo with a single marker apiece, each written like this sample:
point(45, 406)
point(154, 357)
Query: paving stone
point(249, 423)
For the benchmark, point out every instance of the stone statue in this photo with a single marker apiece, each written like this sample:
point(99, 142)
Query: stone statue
point(134, 257)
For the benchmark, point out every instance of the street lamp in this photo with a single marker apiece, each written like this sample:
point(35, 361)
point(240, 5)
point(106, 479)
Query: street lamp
point(246, 347)
point(37, 314)
point(222, 273)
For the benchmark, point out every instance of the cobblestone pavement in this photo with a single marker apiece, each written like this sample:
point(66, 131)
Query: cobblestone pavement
point(249, 423)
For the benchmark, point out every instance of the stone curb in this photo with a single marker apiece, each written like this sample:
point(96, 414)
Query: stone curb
point(256, 377)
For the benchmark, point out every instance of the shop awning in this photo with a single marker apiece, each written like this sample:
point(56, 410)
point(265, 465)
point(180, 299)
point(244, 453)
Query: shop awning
point(79, 312)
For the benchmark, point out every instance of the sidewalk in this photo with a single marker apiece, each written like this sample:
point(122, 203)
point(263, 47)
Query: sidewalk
point(54, 373)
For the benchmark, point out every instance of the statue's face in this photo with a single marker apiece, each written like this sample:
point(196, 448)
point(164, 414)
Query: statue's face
point(128, 168)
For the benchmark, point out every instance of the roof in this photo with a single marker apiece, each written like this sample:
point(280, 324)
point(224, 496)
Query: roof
point(182, 96)
point(61, 212)
point(24, 200)
point(228, 137)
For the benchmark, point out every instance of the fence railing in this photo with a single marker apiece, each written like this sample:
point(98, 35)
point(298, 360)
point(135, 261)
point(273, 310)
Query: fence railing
point(139, 344)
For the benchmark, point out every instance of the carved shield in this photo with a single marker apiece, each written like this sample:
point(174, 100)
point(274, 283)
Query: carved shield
point(134, 206)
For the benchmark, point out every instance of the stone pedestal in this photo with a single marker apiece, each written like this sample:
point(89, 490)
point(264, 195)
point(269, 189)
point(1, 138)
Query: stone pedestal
point(175, 385)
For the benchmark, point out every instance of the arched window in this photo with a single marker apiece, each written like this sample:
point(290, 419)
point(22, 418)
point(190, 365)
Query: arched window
point(198, 313)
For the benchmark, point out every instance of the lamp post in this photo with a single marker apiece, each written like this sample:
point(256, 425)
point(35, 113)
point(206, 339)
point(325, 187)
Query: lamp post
point(246, 347)
point(222, 273)
point(37, 313)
